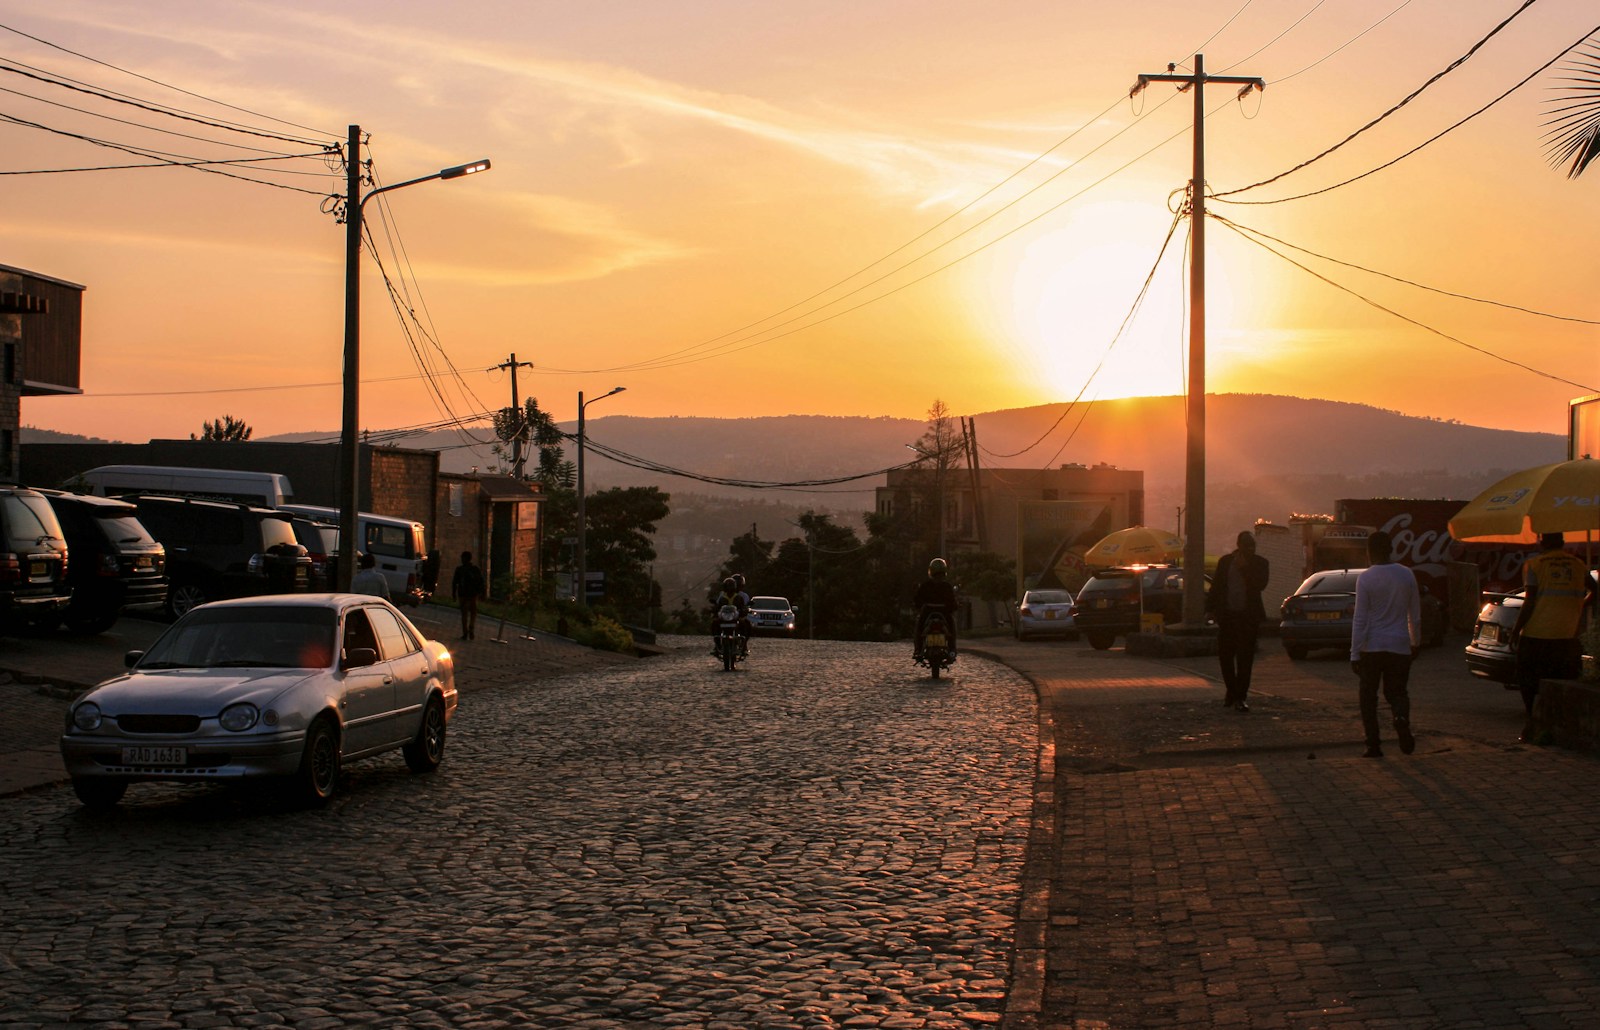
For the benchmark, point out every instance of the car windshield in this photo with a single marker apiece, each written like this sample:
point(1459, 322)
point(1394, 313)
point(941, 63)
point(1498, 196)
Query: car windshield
point(1341, 582)
point(1047, 597)
point(256, 636)
point(769, 604)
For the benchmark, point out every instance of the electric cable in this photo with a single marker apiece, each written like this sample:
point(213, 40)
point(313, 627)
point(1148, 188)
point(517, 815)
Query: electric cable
point(1588, 388)
point(1412, 96)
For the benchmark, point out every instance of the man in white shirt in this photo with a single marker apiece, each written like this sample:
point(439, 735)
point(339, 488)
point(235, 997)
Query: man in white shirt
point(369, 580)
point(1384, 638)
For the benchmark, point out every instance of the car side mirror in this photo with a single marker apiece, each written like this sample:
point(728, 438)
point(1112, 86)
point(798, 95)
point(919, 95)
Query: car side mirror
point(359, 658)
point(794, 608)
point(131, 659)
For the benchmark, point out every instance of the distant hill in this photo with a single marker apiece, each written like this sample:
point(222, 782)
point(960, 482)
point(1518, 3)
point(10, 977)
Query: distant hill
point(1266, 456)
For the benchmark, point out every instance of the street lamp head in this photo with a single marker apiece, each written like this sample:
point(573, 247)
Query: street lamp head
point(457, 171)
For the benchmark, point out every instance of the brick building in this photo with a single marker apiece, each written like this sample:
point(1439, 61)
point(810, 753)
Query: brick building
point(497, 518)
point(41, 329)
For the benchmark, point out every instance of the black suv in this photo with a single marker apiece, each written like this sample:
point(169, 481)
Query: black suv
point(116, 565)
point(1111, 603)
point(33, 560)
point(218, 549)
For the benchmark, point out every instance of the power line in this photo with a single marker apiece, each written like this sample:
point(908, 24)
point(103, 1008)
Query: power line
point(1406, 318)
point(1412, 96)
point(1403, 281)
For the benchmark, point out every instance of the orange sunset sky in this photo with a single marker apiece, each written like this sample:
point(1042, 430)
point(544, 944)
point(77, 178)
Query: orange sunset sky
point(751, 207)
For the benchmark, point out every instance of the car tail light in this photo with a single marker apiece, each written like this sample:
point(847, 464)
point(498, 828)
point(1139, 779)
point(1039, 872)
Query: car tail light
point(257, 565)
point(1025, 610)
point(10, 568)
point(109, 566)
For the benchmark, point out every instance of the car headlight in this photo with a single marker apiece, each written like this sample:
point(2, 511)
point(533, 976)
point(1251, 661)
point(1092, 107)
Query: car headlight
point(238, 717)
point(87, 716)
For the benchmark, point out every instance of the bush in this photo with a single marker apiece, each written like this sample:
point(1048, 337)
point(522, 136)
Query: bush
point(606, 634)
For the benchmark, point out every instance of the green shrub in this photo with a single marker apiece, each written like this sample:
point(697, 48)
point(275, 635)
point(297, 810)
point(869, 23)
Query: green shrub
point(606, 634)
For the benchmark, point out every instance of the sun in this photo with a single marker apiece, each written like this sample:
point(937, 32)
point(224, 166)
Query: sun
point(1061, 297)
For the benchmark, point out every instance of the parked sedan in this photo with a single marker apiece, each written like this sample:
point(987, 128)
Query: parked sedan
point(1489, 654)
point(773, 615)
point(276, 686)
point(1320, 613)
point(1045, 613)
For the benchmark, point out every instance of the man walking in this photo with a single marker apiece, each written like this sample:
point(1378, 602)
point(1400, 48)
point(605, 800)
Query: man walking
point(1234, 600)
point(466, 586)
point(1545, 635)
point(1384, 638)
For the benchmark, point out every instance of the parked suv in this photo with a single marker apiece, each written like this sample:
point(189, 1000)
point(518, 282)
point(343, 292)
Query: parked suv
point(218, 549)
point(33, 560)
point(1110, 604)
point(116, 565)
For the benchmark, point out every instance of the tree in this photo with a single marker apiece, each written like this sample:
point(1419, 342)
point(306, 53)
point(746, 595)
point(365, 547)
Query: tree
point(226, 429)
point(1575, 120)
point(621, 524)
point(533, 427)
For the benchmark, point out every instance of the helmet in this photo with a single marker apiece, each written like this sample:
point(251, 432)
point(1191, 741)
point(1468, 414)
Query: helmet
point(729, 585)
point(738, 580)
point(937, 568)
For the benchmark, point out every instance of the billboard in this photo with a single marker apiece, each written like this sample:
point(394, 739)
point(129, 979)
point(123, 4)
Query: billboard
point(1052, 537)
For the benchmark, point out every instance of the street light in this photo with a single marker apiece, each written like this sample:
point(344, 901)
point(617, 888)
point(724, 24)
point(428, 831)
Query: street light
point(349, 444)
point(583, 515)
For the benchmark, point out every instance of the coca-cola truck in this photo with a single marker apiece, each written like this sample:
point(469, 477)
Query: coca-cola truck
point(1452, 571)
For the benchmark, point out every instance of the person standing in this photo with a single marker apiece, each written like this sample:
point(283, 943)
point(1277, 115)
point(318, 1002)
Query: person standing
point(466, 586)
point(1384, 638)
point(1234, 600)
point(369, 580)
point(1545, 635)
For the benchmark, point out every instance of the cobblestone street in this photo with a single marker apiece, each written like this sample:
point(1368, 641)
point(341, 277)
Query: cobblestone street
point(824, 838)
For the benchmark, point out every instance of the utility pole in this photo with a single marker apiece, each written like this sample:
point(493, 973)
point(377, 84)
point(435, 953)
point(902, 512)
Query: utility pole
point(1194, 544)
point(520, 423)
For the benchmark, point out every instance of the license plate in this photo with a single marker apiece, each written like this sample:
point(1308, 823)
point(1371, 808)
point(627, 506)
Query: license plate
point(144, 562)
point(1489, 635)
point(1322, 615)
point(935, 640)
point(155, 756)
point(38, 569)
point(1049, 613)
point(1101, 604)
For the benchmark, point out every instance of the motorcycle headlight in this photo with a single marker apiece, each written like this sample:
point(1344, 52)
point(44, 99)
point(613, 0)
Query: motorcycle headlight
point(239, 716)
point(87, 716)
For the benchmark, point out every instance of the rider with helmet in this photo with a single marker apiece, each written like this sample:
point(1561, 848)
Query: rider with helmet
point(936, 594)
point(732, 593)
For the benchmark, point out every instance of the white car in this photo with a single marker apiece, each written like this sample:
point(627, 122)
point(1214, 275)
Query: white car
point(276, 686)
point(1045, 613)
point(772, 615)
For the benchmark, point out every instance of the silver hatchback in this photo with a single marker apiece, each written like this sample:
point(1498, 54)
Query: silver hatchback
point(1045, 613)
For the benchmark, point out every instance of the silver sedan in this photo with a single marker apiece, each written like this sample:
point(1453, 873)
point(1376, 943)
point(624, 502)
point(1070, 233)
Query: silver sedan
point(284, 686)
point(1045, 613)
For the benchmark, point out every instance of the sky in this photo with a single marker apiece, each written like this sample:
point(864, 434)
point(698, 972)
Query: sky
point(751, 207)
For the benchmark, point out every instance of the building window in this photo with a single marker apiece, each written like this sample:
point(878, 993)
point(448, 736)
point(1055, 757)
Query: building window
point(456, 498)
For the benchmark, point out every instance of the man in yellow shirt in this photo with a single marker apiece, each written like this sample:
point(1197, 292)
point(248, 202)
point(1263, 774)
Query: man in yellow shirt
point(1546, 632)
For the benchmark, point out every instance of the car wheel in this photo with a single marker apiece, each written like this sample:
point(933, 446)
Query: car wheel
point(99, 794)
point(181, 597)
point(426, 751)
point(318, 777)
point(1101, 641)
point(1296, 652)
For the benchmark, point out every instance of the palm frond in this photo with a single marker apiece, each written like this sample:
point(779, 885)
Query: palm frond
point(1574, 136)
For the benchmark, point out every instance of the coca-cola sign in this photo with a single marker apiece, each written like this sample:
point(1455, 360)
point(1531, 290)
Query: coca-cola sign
point(1420, 530)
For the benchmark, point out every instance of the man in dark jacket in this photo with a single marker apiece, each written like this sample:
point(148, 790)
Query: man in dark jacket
point(936, 594)
point(1234, 600)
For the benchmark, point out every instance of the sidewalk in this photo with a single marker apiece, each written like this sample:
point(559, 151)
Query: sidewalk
point(1194, 866)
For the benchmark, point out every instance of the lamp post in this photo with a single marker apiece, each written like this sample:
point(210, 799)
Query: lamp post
point(583, 514)
point(349, 443)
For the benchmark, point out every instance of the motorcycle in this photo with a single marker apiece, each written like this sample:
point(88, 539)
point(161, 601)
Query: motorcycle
point(937, 653)
point(731, 646)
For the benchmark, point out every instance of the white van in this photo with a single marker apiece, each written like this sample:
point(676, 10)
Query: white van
point(263, 489)
point(396, 545)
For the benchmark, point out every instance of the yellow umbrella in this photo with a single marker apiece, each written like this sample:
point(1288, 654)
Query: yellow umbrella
point(1136, 545)
point(1559, 498)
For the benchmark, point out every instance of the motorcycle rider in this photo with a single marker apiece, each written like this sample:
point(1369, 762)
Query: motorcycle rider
point(936, 594)
point(732, 593)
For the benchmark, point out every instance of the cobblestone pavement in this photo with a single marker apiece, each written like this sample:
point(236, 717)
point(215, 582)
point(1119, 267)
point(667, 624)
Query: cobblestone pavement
point(823, 838)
